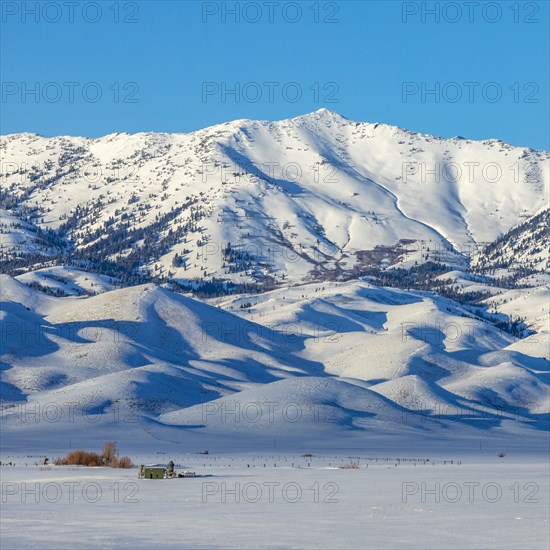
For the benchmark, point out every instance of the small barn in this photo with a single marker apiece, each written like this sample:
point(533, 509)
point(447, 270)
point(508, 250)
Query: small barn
point(161, 471)
point(152, 472)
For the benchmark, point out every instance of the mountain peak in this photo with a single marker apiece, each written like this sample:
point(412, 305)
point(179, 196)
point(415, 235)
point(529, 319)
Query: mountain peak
point(325, 111)
point(322, 114)
point(328, 113)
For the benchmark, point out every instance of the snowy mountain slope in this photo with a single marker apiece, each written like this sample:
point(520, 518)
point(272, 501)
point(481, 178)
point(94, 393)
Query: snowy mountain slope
point(12, 290)
point(522, 248)
point(66, 281)
point(21, 238)
point(511, 300)
point(532, 304)
point(510, 277)
point(315, 196)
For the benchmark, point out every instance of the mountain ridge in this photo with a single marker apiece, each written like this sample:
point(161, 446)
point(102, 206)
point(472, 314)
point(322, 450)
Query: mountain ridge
point(320, 112)
point(260, 202)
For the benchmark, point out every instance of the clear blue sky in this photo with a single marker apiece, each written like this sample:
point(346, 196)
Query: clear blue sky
point(361, 55)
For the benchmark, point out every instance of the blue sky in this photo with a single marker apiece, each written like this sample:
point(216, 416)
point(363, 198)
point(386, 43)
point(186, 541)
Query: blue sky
point(103, 67)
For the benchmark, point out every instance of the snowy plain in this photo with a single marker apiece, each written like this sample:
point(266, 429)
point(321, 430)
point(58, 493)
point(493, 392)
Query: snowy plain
point(474, 503)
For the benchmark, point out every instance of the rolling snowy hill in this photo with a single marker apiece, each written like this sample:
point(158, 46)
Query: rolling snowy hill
point(351, 358)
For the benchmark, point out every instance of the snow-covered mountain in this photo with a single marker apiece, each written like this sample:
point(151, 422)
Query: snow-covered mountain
point(385, 281)
point(310, 198)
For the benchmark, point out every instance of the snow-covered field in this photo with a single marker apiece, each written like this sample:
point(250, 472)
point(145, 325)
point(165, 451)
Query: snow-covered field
point(478, 501)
